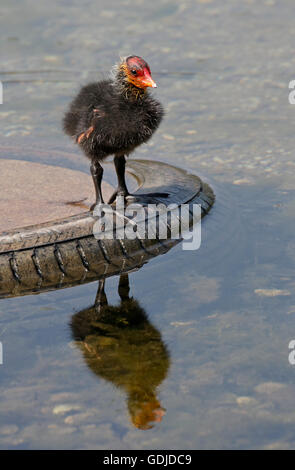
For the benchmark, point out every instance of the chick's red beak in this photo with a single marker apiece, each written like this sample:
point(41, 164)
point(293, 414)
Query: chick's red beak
point(147, 80)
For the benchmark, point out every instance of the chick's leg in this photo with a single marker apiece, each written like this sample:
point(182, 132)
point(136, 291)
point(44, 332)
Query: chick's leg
point(101, 298)
point(123, 288)
point(120, 163)
point(97, 172)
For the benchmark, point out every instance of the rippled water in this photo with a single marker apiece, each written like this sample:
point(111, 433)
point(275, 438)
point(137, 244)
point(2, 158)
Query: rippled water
point(220, 318)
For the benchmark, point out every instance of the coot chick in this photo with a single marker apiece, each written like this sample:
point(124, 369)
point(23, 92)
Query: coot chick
point(120, 345)
point(113, 117)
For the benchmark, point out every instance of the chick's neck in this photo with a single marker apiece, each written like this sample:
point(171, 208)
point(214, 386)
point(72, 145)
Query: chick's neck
point(126, 88)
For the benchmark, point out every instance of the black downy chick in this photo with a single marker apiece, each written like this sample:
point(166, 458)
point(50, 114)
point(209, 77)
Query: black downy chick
point(113, 117)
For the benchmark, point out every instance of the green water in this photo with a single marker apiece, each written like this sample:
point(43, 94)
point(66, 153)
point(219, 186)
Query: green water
point(215, 323)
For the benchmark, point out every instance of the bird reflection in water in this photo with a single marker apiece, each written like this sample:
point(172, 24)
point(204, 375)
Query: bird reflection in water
point(120, 345)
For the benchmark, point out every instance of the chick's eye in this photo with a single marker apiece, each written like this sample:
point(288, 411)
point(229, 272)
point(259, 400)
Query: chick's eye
point(134, 72)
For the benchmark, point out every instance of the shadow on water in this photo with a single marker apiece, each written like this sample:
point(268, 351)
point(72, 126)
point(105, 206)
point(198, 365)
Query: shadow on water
point(120, 345)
